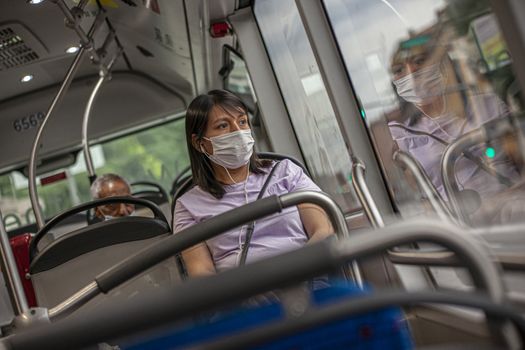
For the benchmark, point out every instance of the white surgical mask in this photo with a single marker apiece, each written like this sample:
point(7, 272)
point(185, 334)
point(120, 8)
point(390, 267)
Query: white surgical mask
point(421, 85)
point(232, 150)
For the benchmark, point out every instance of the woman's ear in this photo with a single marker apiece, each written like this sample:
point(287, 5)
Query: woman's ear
point(195, 142)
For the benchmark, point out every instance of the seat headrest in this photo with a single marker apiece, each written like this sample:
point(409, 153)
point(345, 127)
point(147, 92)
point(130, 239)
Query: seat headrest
point(97, 236)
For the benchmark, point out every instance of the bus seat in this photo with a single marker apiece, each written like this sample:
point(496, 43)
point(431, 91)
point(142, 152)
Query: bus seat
point(20, 247)
point(155, 193)
point(386, 328)
point(75, 259)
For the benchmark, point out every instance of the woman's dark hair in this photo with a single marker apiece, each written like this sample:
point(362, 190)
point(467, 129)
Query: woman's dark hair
point(197, 116)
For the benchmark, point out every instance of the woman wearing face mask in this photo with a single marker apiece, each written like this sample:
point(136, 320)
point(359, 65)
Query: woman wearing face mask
point(228, 174)
point(438, 109)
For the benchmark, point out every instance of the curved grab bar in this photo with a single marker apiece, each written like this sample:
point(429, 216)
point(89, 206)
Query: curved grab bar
point(104, 75)
point(85, 124)
point(407, 162)
point(176, 303)
point(365, 197)
point(454, 151)
point(33, 194)
point(86, 45)
point(484, 273)
point(195, 234)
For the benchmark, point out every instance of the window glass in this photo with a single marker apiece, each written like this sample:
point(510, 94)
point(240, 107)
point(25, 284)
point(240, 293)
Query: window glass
point(311, 113)
point(238, 80)
point(431, 76)
point(157, 154)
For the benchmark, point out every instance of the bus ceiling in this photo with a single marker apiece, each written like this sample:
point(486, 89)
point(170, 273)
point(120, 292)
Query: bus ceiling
point(164, 62)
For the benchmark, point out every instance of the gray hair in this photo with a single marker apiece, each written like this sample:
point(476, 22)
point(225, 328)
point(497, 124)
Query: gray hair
point(101, 180)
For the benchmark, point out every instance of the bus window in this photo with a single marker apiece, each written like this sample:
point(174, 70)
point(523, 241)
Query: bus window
point(426, 73)
point(236, 77)
point(311, 113)
point(157, 154)
point(237, 80)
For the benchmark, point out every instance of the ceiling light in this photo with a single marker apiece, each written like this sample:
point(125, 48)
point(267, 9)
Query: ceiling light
point(72, 49)
point(26, 78)
point(35, 2)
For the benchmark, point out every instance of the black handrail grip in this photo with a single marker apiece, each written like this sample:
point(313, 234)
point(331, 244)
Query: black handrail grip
point(185, 239)
point(89, 205)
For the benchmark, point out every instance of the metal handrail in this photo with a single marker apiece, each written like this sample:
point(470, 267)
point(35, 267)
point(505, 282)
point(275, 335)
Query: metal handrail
point(176, 303)
point(85, 124)
point(10, 271)
point(407, 162)
point(454, 151)
point(363, 193)
point(85, 46)
point(104, 75)
point(33, 194)
point(195, 234)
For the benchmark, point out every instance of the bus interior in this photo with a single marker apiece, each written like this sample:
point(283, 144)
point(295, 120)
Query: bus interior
point(408, 114)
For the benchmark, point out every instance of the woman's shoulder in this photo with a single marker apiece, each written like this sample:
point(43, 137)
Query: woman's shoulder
point(286, 166)
point(194, 196)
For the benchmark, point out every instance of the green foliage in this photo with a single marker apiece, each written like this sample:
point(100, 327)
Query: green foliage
point(156, 155)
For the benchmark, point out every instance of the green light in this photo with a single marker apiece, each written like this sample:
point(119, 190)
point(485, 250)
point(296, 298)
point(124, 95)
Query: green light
point(363, 113)
point(490, 152)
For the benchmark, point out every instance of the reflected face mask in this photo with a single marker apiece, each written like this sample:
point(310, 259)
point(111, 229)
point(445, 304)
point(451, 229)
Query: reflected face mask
point(232, 150)
point(421, 86)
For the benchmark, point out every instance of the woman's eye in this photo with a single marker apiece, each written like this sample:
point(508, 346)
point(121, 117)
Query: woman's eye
point(420, 60)
point(243, 122)
point(222, 126)
point(397, 70)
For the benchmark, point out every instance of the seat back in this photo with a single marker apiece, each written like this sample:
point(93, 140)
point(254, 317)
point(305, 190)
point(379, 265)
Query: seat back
point(154, 193)
point(75, 259)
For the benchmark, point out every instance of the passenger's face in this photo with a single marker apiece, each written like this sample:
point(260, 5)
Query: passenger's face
point(221, 122)
point(113, 189)
point(408, 65)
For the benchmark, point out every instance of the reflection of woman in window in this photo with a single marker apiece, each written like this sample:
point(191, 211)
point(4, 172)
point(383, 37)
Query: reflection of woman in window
point(437, 108)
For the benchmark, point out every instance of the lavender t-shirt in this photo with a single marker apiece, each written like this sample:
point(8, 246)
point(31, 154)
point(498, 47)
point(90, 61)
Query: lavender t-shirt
point(272, 235)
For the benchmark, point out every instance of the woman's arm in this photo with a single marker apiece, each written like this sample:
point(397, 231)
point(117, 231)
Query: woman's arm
point(198, 261)
point(315, 222)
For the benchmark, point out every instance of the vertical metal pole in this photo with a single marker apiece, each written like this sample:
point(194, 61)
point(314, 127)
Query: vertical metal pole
point(33, 195)
point(10, 272)
point(364, 195)
point(85, 125)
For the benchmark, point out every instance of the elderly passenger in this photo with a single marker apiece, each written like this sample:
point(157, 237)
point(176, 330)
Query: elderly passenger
point(111, 185)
